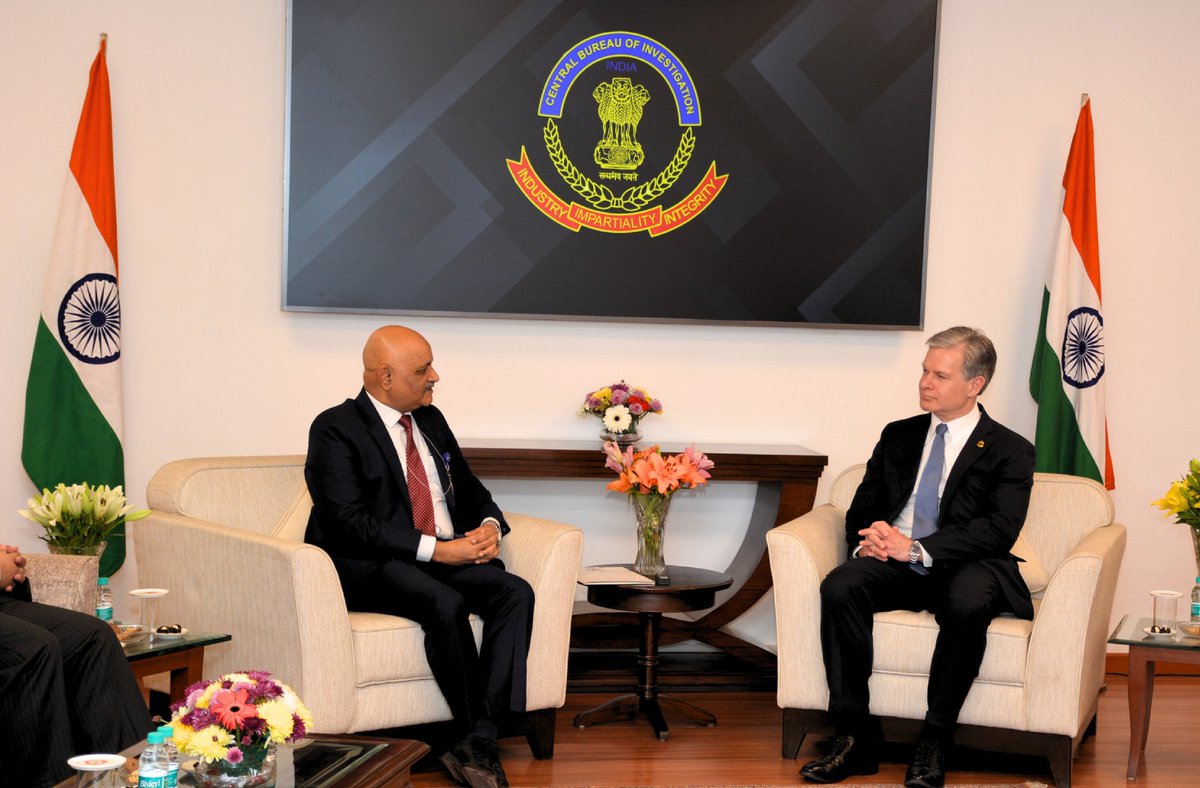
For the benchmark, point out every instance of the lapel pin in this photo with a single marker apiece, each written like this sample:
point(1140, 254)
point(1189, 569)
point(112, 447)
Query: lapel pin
point(980, 444)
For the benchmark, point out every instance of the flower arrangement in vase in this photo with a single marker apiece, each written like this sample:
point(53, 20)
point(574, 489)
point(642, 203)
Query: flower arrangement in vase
point(77, 519)
point(1182, 499)
point(233, 724)
point(650, 478)
point(620, 408)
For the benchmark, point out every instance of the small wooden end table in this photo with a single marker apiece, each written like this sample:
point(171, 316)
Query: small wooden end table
point(1144, 652)
point(690, 589)
point(181, 657)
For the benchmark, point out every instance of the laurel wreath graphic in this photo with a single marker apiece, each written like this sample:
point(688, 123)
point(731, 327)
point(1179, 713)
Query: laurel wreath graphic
point(635, 198)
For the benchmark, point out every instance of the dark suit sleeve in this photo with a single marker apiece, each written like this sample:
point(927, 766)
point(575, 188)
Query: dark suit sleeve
point(889, 477)
point(353, 512)
point(985, 515)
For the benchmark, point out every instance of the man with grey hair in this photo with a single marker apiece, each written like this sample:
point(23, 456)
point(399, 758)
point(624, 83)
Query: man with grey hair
point(931, 528)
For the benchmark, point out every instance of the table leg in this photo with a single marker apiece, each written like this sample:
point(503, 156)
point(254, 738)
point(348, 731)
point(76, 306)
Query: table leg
point(689, 710)
point(647, 701)
point(1141, 696)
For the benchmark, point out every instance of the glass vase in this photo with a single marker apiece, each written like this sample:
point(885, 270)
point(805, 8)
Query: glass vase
point(1196, 547)
point(651, 512)
point(622, 438)
point(91, 549)
point(257, 768)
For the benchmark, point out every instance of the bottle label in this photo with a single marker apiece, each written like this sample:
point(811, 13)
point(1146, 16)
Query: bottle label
point(152, 778)
point(1196, 611)
point(104, 612)
point(173, 776)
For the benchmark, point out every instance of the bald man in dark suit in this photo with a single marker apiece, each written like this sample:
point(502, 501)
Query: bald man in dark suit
point(423, 546)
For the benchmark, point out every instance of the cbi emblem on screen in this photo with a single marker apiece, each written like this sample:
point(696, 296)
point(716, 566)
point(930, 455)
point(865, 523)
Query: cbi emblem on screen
point(620, 198)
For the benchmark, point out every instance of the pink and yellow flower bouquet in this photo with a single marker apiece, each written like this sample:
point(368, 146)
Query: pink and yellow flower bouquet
point(235, 721)
point(620, 407)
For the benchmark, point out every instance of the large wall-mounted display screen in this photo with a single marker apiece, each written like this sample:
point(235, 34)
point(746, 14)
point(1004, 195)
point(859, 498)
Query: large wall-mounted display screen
point(708, 161)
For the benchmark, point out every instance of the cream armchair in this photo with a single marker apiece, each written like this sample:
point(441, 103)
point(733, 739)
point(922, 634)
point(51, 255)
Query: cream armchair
point(226, 537)
point(1037, 689)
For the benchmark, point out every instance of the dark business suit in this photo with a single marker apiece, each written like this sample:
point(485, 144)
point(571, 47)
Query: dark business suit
point(65, 689)
point(973, 578)
point(362, 517)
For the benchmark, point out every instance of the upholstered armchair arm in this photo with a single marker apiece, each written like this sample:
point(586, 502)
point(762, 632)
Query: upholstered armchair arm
point(1065, 665)
point(802, 552)
point(280, 600)
point(546, 554)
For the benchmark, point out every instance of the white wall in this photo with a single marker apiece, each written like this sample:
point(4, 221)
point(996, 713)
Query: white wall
point(213, 366)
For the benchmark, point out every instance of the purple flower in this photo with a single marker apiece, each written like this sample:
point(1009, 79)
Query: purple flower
point(298, 729)
point(234, 755)
point(655, 406)
point(198, 719)
point(623, 387)
point(619, 395)
point(635, 407)
point(253, 725)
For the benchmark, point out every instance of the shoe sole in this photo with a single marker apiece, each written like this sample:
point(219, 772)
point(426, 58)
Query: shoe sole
point(923, 784)
point(815, 778)
point(470, 776)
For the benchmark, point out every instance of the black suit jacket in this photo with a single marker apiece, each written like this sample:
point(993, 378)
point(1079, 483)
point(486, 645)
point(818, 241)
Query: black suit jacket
point(362, 515)
point(983, 505)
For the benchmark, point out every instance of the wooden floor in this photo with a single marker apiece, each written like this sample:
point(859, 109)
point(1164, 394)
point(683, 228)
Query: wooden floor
point(744, 748)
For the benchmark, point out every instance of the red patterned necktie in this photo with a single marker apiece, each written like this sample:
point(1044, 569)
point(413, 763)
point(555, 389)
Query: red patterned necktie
point(418, 483)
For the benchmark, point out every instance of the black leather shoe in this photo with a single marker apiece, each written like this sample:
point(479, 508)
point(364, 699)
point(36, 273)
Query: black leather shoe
point(490, 756)
point(468, 763)
point(928, 768)
point(848, 756)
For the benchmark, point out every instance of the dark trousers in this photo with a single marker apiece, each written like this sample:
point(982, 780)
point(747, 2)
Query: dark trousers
point(65, 689)
point(964, 598)
point(477, 684)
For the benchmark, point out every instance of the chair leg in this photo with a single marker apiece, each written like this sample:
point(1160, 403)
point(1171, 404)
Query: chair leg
point(539, 732)
point(1060, 753)
point(794, 731)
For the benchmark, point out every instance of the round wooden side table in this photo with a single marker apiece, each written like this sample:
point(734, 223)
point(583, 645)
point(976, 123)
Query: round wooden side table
point(689, 589)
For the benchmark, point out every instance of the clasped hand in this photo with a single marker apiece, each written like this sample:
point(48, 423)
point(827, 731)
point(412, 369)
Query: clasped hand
point(882, 541)
point(475, 547)
point(12, 566)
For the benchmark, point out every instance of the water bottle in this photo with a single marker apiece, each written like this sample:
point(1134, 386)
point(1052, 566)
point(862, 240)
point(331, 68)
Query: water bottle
point(1196, 601)
point(104, 610)
point(152, 765)
point(172, 753)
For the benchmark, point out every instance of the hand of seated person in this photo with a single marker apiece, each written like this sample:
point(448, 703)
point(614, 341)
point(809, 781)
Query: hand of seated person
point(475, 547)
point(882, 540)
point(12, 566)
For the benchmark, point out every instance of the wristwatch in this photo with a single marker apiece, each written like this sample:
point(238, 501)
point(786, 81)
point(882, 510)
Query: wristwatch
point(915, 554)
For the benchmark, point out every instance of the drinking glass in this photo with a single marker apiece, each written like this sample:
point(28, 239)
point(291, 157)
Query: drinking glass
point(1165, 603)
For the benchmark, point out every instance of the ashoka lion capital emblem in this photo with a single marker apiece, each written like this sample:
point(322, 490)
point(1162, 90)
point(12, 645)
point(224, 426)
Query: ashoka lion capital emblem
point(614, 198)
point(619, 104)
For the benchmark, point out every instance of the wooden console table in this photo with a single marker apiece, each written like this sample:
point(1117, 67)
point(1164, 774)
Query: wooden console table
point(786, 476)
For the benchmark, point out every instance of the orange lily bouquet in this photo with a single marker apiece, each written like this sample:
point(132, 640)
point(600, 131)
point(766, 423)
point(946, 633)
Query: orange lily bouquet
point(649, 471)
point(650, 478)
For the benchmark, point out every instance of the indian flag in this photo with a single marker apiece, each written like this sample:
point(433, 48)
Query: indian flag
point(1067, 378)
point(73, 420)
